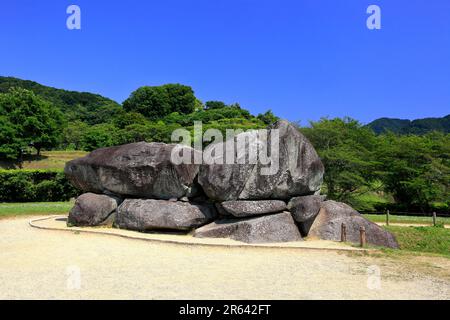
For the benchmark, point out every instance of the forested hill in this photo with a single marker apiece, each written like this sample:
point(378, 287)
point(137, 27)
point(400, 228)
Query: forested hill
point(419, 126)
point(40, 117)
point(75, 105)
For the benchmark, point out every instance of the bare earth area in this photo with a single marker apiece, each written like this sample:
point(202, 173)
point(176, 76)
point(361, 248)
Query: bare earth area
point(45, 264)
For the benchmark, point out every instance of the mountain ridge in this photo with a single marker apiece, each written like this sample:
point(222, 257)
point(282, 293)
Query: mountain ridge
point(94, 108)
point(406, 126)
point(76, 105)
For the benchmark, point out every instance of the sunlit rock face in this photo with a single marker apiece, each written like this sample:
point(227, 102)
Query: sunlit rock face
point(298, 169)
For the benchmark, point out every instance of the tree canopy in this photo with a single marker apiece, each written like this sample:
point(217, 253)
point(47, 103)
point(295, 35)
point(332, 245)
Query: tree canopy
point(346, 149)
point(159, 101)
point(28, 120)
point(414, 169)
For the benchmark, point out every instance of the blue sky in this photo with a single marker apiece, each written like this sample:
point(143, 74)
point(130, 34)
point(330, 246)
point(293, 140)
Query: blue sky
point(302, 59)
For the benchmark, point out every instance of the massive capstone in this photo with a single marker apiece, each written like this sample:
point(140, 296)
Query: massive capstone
point(136, 170)
point(300, 171)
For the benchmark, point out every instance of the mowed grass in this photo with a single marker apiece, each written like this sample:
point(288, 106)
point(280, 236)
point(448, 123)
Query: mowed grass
point(48, 160)
point(422, 239)
point(407, 219)
point(34, 208)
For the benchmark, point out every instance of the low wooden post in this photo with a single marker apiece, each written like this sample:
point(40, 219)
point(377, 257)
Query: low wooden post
point(362, 236)
point(343, 233)
point(387, 217)
point(434, 219)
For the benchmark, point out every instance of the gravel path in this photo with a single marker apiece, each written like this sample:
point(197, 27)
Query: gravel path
point(42, 264)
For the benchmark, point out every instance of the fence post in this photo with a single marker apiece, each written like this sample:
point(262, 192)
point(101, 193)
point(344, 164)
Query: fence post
point(387, 217)
point(434, 219)
point(362, 236)
point(343, 233)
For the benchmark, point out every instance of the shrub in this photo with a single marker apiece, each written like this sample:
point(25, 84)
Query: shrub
point(35, 186)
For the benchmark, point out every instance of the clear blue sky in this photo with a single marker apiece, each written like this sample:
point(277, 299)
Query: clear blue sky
point(302, 59)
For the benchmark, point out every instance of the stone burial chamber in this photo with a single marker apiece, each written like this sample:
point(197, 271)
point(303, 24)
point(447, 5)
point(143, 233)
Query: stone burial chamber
point(138, 187)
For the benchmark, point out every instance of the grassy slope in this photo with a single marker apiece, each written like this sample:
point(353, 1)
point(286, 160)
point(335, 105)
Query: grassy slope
point(423, 239)
point(48, 160)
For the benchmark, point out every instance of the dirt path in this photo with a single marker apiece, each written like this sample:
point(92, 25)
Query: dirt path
point(42, 264)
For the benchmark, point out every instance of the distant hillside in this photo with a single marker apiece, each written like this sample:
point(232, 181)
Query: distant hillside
point(84, 106)
point(419, 126)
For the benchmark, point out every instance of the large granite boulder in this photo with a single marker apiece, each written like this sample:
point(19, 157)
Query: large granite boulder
point(136, 169)
point(92, 209)
point(278, 227)
point(295, 166)
point(304, 209)
point(248, 208)
point(150, 214)
point(327, 226)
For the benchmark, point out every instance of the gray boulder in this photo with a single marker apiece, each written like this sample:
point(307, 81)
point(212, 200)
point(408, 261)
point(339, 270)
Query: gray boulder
point(248, 208)
point(300, 170)
point(278, 227)
point(92, 210)
point(137, 169)
point(304, 209)
point(327, 226)
point(149, 214)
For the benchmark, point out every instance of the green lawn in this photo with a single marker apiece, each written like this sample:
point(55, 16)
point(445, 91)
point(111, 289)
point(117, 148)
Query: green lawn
point(423, 239)
point(34, 208)
point(406, 219)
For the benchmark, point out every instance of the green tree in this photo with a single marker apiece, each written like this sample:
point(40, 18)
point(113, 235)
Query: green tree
point(124, 119)
point(35, 121)
point(99, 136)
point(209, 105)
point(157, 102)
point(416, 169)
point(73, 135)
point(134, 133)
point(346, 149)
point(10, 145)
point(268, 117)
point(181, 98)
point(152, 102)
point(101, 114)
point(198, 105)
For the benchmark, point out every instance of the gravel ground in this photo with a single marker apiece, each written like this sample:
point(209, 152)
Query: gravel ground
point(43, 264)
